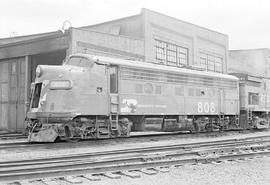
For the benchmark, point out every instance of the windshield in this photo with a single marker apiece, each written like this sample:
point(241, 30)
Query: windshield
point(79, 61)
point(36, 95)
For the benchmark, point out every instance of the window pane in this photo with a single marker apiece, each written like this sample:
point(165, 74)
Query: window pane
point(182, 55)
point(211, 62)
point(218, 64)
point(160, 51)
point(36, 95)
point(171, 54)
point(253, 98)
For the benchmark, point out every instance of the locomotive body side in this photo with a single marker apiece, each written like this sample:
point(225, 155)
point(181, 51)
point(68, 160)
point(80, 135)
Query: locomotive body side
point(152, 93)
point(158, 91)
point(102, 97)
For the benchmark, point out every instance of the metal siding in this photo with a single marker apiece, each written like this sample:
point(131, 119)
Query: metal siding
point(4, 95)
point(4, 119)
point(21, 94)
point(12, 96)
point(167, 102)
point(34, 47)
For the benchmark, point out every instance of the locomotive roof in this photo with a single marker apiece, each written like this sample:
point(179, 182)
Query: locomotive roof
point(146, 65)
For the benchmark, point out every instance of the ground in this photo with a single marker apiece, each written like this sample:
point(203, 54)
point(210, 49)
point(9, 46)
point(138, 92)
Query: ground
point(249, 172)
point(254, 172)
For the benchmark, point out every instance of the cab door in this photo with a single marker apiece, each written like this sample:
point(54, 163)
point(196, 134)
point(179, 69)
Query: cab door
point(113, 89)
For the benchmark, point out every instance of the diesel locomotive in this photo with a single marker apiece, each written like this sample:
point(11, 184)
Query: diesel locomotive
point(102, 97)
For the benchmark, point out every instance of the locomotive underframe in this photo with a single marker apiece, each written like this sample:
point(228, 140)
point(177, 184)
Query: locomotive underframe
point(100, 127)
point(255, 119)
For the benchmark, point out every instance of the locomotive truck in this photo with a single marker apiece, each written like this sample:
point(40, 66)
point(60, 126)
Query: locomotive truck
point(103, 97)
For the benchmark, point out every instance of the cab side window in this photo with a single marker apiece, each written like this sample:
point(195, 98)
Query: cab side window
point(113, 79)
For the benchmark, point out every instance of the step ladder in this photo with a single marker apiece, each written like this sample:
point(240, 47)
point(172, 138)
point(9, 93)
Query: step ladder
point(114, 110)
point(114, 105)
point(249, 117)
point(222, 119)
point(237, 119)
point(114, 122)
point(102, 127)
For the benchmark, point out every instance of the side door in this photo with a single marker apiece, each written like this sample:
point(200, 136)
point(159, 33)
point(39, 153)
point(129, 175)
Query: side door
point(113, 89)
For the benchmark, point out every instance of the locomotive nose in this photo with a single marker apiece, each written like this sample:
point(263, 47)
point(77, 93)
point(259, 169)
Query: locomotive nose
point(48, 77)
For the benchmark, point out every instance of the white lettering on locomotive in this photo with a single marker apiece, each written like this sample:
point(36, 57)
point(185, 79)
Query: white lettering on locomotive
point(206, 107)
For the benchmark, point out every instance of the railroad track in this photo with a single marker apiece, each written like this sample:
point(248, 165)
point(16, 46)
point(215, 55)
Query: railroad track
point(114, 163)
point(22, 144)
point(6, 136)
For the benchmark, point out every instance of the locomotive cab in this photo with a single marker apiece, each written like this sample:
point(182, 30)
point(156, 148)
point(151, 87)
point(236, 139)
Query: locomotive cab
point(62, 93)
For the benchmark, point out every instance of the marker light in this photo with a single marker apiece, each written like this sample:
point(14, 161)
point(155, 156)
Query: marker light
point(60, 84)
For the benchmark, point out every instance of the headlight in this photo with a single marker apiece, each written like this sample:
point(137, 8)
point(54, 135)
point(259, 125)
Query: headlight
point(38, 71)
point(60, 84)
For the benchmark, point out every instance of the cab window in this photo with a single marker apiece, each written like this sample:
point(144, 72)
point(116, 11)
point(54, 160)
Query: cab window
point(36, 95)
point(113, 79)
point(79, 61)
point(253, 98)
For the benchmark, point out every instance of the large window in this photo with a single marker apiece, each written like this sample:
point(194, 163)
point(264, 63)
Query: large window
point(211, 62)
point(171, 54)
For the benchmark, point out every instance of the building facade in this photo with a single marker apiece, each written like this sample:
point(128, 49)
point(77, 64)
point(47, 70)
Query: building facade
point(169, 41)
point(149, 36)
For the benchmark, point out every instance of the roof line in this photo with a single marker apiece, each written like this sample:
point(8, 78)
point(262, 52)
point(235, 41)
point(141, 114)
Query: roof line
point(104, 33)
point(111, 21)
point(249, 49)
point(21, 36)
point(46, 37)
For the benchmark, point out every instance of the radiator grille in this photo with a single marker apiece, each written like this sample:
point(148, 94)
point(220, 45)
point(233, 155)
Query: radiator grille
point(165, 77)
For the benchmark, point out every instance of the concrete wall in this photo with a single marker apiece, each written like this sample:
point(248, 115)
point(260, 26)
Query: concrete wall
point(85, 41)
point(254, 62)
point(128, 26)
point(197, 39)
